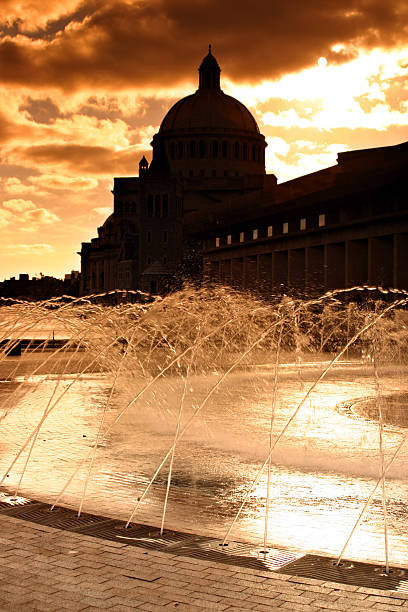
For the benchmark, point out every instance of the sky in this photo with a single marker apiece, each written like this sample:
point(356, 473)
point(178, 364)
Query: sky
point(85, 85)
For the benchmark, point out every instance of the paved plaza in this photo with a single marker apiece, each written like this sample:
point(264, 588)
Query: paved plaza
point(43, 568)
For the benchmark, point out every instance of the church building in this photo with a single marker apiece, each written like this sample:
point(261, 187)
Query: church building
point(206, 204)
point(208, 150)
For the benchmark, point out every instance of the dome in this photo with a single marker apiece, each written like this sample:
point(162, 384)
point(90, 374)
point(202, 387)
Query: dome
point(209, 134)
point(209, 109)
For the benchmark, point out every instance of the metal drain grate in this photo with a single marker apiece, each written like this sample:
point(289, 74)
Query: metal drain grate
point(139, 535)
point(13, 508)
point(349, 572)
point(199, 547)
point(246, 555)
point(60, 518)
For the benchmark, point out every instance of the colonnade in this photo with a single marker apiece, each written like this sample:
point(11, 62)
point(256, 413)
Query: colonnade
point(381, 260)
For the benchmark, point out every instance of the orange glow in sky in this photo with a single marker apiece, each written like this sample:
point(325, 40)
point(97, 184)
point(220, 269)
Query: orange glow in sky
point(86, 84)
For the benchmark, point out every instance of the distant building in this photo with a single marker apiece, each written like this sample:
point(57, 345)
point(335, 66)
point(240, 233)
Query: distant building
point(206, 199)
point(41, 288)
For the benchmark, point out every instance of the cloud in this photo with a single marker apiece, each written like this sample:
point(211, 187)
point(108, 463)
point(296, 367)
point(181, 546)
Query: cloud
point(15, 186)
point(47, 15)
point(30, 249)
point(120, 44)
point(39, 216)
point(25, 216)
point(103, 210)
point(41, 110)
point(19, 205)
point(83, 159)
point(5, 217)
point(57, 181)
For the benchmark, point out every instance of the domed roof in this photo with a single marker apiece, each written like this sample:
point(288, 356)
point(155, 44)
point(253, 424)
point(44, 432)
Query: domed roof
point(209, 108)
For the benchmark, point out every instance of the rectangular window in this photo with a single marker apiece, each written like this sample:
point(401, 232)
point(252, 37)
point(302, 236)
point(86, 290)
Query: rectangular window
point(165, 205)
point(164, 236)
point(242, 237)
point(254, 234)
point(229, 239)
point(149, 236)
point(322, 220)
point(164, 260)
point(217, 242)
point(148, 260)
point(285, 227)
point(270, 230)
point(302, 224)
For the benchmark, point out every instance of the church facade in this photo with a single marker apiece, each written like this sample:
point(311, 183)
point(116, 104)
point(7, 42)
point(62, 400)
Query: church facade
point(208, 150)
point(206, 199)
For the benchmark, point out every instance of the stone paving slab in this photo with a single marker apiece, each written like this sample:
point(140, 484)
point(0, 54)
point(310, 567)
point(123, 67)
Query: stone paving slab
point(46, 569)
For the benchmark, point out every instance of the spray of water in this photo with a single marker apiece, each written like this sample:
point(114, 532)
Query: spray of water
point(134, 342)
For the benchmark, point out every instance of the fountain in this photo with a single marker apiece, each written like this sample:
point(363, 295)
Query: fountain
point(211, 411)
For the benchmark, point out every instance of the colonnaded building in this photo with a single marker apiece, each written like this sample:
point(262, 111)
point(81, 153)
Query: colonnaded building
point(206, 205)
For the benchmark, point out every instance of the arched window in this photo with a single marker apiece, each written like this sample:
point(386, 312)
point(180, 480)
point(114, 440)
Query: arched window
point(192, 148)
point(236, 150)
point(157, 205)
point(180, 150)
point(215, 148)
point(202, 148)
point(150, 205)
point(172, 150)
point(224, 148)
point(245, 151)
point(165, 205)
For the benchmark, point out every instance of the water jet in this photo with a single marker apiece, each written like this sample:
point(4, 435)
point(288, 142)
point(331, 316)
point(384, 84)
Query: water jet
point(217, 413)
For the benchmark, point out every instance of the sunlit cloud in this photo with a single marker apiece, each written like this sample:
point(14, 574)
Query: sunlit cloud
point(39, 216)
point(5, 216)
point(56, 181)
point(15, 186)
point(25, 216)
point(103, 210)
point(19, 205)
point(31, 249)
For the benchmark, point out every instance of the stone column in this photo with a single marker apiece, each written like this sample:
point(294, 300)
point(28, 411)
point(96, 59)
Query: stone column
point(251, 268)
point(334, 265)
point(381, 260)
point(280, 270)
point(296, 268)
point(237, 272)
point(356, 262)
point(265, 271)
point(400, 261)
point(314, 264)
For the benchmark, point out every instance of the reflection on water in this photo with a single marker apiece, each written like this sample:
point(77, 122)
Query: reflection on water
point(323, 469)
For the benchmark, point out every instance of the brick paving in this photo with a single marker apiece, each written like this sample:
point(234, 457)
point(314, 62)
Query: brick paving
point(43, 568)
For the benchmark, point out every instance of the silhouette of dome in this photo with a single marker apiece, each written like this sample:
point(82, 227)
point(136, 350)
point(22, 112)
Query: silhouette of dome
point(209, 108)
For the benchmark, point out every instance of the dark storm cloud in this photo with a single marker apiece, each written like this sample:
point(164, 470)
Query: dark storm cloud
point(158, 42)
point(89, 160)
point(41, 111)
